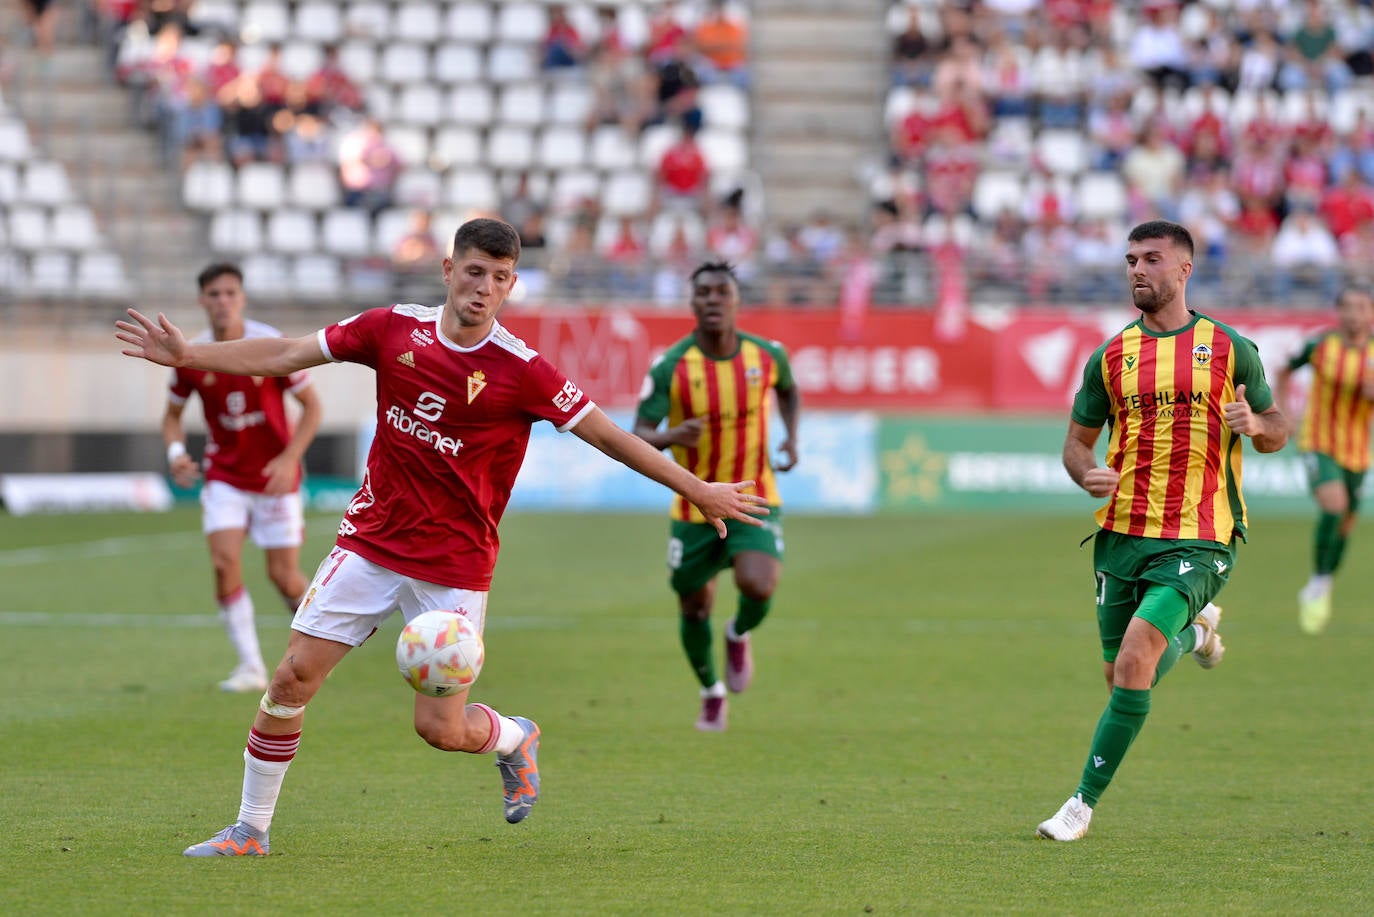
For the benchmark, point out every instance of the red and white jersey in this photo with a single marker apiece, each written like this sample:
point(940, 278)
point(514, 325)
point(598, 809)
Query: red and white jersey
point(452, 427)
point(245, 416)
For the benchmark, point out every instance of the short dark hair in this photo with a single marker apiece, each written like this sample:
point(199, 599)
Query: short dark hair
point(714, 267)
point(1163, 229)
point(490, 237)
point(215, 271)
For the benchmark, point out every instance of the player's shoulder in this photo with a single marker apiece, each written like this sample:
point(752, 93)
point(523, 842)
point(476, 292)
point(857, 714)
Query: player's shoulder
point(505, 340)
point(675, 352)
point(418, 312)
point(771, 345)
point(1222, 327)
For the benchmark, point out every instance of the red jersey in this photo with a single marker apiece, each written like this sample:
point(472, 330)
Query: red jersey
point(245, 416)
point(452, 427)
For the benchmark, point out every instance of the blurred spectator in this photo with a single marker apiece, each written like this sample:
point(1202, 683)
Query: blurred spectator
point(1112, 132)
point(1305, 257)
point(1047, 248)
point(330, 88)
point(157, 14)
point(41, 18)
point(721, 46)
point(1259, 64)
point(307, 140)
point(273, 83)
point(518, 204)
point(951, 165)
point(1156, 167)
point(1157, 48)
point(625, 258)
point(958, 70)
point(1006, 78)
point(418, 251)
point(1348, 206)
point(623, 91)
point(792, 270)
point(1096, 254)
point(196, 124)
point(1357, 252)
point(1210, 208)
point(822, 238)
point(1304, 175)
point(1353, 151)
point(1058, 74)
point(730, 238)
point(912, 53)
point(666, 33)
point(248, 125)
point(368, 167)
point(562, 46)
point(677, 89)
point(891, 230)
point(683, 178)
point(575, 267)
point(222, 69)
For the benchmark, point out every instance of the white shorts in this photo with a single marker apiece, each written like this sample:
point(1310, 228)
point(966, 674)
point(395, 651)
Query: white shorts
point(350, 597)
point(272, 522)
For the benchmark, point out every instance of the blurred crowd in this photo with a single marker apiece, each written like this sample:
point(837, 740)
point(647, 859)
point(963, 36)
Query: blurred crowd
point(1250, 122)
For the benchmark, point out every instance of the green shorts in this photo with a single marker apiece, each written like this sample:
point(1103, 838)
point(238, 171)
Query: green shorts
point(1323, 469)
point(696, 552)
point(1126, 566)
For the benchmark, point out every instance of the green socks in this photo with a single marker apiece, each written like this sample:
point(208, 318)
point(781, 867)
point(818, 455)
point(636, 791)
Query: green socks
point(1121, 722)
point(750, 614)
point(696, 642)
point(1330, 544)
point(1184, 642)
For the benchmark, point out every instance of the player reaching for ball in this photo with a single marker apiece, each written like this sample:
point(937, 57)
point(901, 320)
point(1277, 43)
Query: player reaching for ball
point(457, 394)
point(1177, 390)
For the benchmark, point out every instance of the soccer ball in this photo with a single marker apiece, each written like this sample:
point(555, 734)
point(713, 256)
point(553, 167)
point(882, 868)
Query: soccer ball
point(440, 653)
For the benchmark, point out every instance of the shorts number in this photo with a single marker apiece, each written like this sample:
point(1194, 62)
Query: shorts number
point(674, 553)
point(1101, 588)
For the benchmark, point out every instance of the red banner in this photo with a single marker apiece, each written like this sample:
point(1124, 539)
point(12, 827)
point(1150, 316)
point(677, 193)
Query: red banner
point(1018, 360)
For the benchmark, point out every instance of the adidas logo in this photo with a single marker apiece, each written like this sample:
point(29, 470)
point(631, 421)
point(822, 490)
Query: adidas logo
point(407, 359)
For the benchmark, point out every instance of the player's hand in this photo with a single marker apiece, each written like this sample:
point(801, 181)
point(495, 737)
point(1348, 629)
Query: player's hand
point(788, 456)
point(721, 501)
point(281, 476)
point(185, 471)
point(687, 433)
point(158, 342)
point(1239, 417)
point(1101, 482)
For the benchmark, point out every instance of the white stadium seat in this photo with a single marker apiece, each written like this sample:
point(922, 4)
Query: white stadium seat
point(454, 63)
point(358, 59)
point(319, 21)
point(457, 146)
point(14, 140)
point(405, 63)
point(265, 21)
point(470, 22)
point(313, 186)
point(417, 21)
point(612, 149)
point(292, 231)
point(418, 187)
point(521, 23)
point(50, 272)
point(74, 228)
point(101, 272)
point(316, 275)
point(208, 185)
point(266, 274)
point(1101, 195)
point(510, 148)
point(561, 147)
point(724, 106)
point(236, 231)
point(261, 185)
point(29, 228)
point(369, 20)
point(994, 192)
point(570, 102)
point(45, 182)
point(470, 189)
point(346, 232)
point(521, 103)
point(9, 183)
point(420, 103)
point(471, 105)
point(511, 63)
point(391, 227)
point(627, 194)
point(410, 142)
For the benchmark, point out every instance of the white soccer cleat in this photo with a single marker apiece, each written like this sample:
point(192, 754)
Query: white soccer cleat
point(245, 681)
point(1069, 823)
point(1209, 649)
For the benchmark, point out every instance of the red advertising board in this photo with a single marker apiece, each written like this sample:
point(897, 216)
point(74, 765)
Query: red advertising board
point(1017, 360)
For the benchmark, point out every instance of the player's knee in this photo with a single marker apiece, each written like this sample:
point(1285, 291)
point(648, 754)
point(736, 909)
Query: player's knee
point(757, 586)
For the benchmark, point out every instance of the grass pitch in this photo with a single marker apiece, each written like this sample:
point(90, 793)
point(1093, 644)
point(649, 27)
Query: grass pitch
point(926, 690)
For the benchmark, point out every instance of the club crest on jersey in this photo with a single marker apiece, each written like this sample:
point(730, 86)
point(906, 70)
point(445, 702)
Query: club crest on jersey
point(1202, 356)
point(476, 382)
point(407, 359)
point(753, 375)
point(421, 337)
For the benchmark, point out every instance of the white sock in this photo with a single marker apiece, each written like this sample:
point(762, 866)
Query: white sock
point(716, 690)
point(262, 782)
point(237, 614)
point(1319, 583)
point(511, 735)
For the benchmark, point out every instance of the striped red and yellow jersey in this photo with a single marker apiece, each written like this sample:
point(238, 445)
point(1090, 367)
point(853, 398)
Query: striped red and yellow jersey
point(1161, 396)
point(1336, 422)
point(732, 397)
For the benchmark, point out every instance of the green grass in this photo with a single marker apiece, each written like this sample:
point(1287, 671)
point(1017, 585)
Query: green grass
point(926, 690)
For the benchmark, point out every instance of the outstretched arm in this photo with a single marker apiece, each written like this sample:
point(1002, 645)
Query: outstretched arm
point(717, 502)
point(162, 342)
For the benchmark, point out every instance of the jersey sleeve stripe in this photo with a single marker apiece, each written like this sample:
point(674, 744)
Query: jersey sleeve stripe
point(577, 418)
point(324, 346)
